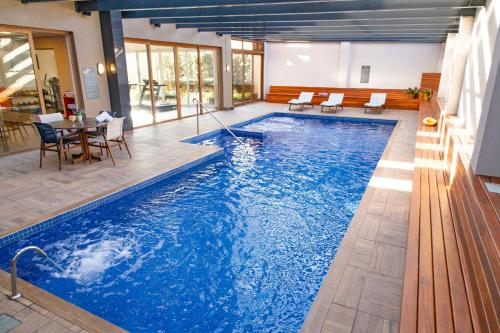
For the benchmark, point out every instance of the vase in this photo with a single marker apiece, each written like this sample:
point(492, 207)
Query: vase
point(80, 118)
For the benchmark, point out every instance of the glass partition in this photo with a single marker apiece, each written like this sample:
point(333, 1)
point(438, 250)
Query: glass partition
point(237, 77)
point(188, 80)
point(247, 77)
point(164, 85)
point(138, 83)
point(209, 78)
point(19, 97)
point(247, 70)
point(257, 76)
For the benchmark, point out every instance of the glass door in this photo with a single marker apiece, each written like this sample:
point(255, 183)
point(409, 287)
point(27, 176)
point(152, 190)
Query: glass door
point(247, 77)
point(19, 93)
point(237, 77)
point(257, 76)
point(209, 78)
point(164, 85)
point(138, 84)
point(188, 80)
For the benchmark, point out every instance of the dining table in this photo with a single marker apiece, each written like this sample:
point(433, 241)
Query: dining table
point(83, 128)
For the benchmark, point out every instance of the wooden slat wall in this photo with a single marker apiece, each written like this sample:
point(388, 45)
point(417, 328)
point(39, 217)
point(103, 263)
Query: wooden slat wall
point(353, 97)
point(452, 261)
point(430, 80)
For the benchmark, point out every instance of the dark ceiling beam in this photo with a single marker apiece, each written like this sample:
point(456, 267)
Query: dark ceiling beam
point(346, 16)
point(350, 34)
point(326, 23)
point(332, 29)
point(348, 39)
point(126, 5)
point(300, 8)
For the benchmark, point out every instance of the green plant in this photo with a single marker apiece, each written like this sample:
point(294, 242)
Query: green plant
point(79, 112)
point(413, 92)
point(427, 93)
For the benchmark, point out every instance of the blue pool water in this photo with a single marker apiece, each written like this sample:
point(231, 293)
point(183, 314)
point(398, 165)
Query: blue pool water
point(240, 244)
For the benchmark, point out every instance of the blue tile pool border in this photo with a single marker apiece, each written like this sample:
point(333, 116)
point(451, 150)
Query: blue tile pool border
point(71, 213)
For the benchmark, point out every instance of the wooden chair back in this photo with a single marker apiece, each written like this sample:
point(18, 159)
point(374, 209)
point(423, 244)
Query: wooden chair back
point(115, 128)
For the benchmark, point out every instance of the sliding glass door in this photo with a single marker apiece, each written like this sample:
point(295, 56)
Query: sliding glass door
point(188, 80)
point(237, 77)
point(179, 74)
point(164, 84)
point(138, 83)
point(247, 71)
point(209, 78)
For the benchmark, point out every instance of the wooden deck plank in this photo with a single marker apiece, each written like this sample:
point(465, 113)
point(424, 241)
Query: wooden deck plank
point(426, 318)
point(444, 318)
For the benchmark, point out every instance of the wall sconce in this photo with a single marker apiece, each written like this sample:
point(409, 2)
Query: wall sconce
point(228, 68)
point(101, 69)
point(112, 68)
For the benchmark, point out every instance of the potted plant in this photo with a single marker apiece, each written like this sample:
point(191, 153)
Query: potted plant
point(427, 93)
point(413, 92)
point(79, 114)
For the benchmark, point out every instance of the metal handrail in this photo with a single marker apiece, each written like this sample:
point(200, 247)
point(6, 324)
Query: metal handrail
point(198, 104)
point(13, 268)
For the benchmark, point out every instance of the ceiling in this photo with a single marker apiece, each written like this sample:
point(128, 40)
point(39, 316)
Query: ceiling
point(300, 20)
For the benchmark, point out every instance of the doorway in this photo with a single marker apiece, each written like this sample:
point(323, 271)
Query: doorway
point(36, 77)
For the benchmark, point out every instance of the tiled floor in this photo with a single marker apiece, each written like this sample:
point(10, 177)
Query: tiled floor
point(362, 291)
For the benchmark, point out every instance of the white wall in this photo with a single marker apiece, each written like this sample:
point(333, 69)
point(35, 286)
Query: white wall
point(393, 65)
point(302, 64)
point(477, 69)
point(62, 16)
point(140, 28)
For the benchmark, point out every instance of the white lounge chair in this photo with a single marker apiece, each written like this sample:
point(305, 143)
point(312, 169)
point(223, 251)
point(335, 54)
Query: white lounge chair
point(376, 103)
point(334, 100)
point(305, 98)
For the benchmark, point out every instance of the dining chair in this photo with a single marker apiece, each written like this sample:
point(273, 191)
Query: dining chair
point(56, 116)
point(51, 141)
point(113, 133)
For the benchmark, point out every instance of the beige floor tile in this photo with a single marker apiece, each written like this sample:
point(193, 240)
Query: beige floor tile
point(392, 233)
point(388, 260)
point(366, 323)
point(339, 319)
point(369, 227)
point(361, 254)
point(382, 296)
point(351, 287)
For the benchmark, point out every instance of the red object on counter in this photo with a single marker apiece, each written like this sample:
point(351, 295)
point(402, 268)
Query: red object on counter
point(67, 101)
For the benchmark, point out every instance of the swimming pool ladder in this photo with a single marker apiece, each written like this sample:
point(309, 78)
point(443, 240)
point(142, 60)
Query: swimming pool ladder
point(13, 268)
point(200, 105)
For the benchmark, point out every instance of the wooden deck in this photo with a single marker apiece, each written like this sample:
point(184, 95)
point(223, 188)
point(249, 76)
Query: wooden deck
point(452, 260)
point(353, 97)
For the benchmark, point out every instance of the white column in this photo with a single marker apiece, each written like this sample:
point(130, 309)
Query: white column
point(486, 153)
point(459, 60)
point(444, 85)
point(343, 78)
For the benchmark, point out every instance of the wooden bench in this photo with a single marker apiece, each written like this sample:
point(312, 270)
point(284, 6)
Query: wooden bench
point(353, 97)
point(452, 261)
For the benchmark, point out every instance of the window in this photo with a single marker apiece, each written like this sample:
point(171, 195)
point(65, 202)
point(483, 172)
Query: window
point(236, 44)
point(247, 71)
point(179, 74)
point(365, 74)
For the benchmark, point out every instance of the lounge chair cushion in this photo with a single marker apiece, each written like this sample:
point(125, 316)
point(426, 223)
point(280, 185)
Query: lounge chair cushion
point(373, 105)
